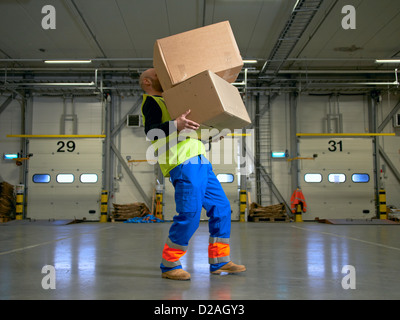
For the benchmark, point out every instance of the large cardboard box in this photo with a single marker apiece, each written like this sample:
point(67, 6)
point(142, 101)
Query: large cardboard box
point(181, 56)
point(214, 102)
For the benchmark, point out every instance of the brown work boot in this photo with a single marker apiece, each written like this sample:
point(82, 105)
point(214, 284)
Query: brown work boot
point(230, 267)
point(176, 274)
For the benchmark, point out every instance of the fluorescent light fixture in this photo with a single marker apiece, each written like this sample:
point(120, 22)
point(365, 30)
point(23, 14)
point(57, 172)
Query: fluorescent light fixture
point(67, 61)
point(297, 2)
point(278, 154)
point(388, 61)
point(62, 84)
point(10, 156)
point(250, 61)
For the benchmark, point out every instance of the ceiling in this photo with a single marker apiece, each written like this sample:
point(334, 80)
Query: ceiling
point(118, 35)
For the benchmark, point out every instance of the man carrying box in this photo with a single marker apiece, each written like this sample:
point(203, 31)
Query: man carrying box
point(195, 184)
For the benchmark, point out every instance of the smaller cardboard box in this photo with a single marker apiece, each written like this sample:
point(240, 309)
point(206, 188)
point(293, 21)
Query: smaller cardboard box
point(181, 56)
point(214, 102)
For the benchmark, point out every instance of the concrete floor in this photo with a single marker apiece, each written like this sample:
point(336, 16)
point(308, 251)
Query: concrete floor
point(121, 261)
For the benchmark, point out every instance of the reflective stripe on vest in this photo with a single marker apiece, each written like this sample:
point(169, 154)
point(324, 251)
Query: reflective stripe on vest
point(173, 150)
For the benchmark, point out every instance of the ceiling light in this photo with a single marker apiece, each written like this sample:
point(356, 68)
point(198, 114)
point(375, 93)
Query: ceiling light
point(250, 61)
point(61, 84)
point(388, 61)
point(67, 61)
point(297, 2)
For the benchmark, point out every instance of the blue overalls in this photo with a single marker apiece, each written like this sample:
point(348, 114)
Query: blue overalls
point(196, 186)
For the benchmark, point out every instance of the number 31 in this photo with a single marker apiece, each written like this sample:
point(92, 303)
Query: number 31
point(333, 146)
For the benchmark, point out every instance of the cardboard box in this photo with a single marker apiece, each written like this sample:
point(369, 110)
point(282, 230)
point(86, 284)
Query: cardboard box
point(214, 102)
point(181, 56)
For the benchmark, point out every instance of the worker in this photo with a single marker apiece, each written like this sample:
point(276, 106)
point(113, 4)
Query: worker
point(195, 184)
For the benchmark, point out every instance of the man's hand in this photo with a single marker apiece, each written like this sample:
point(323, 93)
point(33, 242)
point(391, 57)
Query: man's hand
point(181, 123)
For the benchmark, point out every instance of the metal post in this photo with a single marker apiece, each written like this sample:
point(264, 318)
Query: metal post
point(26, 128)
point(257, 147)
point(373, 126)
point(293, 139)
point(107, 172)
point(243, 181)
point(104, 206)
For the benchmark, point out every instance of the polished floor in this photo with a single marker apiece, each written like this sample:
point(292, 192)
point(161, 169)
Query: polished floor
point(121, 261)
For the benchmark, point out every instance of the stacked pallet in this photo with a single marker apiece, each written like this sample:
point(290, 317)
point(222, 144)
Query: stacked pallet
point(7, 202)
point(393, 213)
point(129, 211)
point(271, 213)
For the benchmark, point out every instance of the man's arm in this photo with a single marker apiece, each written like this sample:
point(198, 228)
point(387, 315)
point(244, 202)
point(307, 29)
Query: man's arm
point(153, 116)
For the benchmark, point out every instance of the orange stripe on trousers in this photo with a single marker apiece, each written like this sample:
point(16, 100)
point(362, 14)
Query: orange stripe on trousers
point(171, 254)
point(218, 250)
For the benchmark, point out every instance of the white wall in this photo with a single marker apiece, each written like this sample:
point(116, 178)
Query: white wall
point(47, 113)
point(133, 143)
point(90, 111)
point(391, 146)
point(312, 110)
point(311, 118)
point(10, 123)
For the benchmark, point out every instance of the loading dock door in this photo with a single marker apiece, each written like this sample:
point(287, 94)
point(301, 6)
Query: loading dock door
point(65, 179)
point(339, 182)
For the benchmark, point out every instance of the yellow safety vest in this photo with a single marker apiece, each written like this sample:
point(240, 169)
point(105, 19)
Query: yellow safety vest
point(176, 148)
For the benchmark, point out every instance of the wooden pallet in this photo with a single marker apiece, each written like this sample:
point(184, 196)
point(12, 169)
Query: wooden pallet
point(120, 219)
point(123, 212)
point(273, 213)
point(4, 219)
point(269, 219)
point(394, 216)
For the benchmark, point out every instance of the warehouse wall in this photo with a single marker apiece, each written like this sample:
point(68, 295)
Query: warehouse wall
point(90, 112)
point(132, 143)
point(312, 111)
point(10, 123)
point(311, 117)
point(391, 146)
point(47, 112)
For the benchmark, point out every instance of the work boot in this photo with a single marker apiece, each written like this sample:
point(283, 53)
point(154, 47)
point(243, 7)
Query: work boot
point(176, 274)
point(230, 267)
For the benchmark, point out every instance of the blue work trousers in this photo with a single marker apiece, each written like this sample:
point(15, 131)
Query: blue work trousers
point(197, 187)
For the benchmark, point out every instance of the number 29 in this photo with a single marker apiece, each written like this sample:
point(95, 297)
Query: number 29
point(70, 146)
